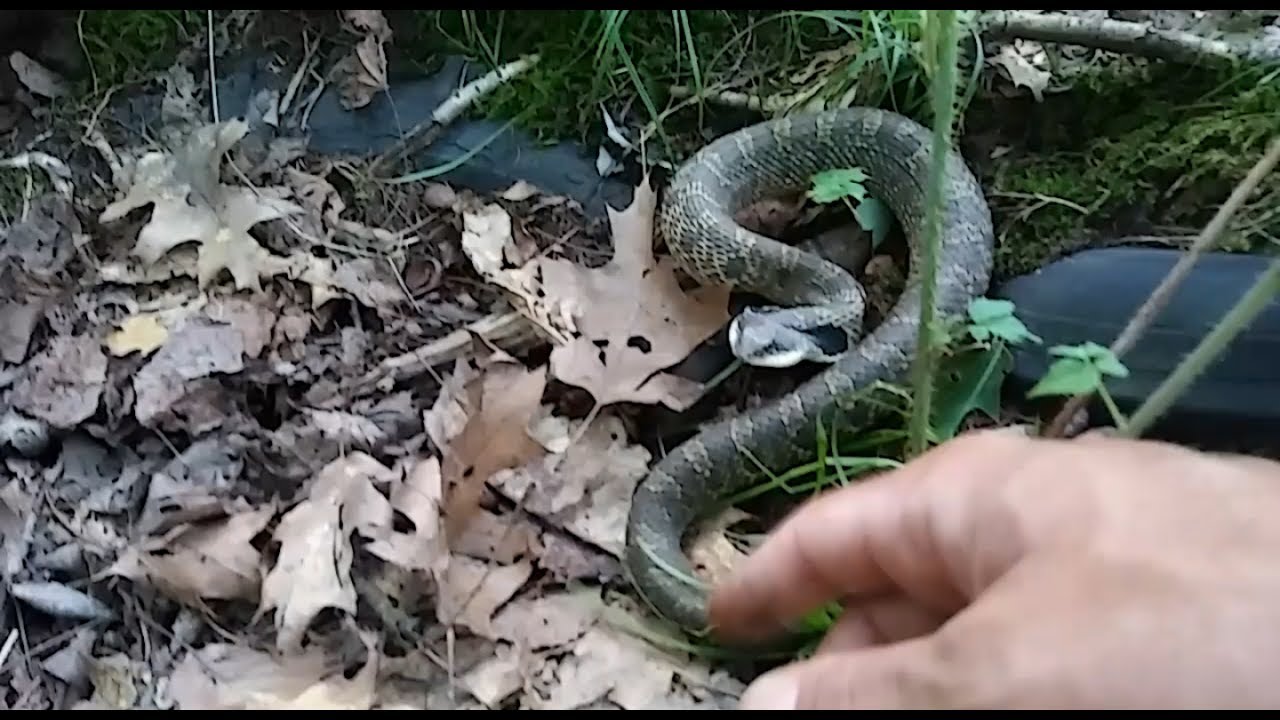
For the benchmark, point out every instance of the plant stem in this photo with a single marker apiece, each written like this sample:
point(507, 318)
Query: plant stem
point(1160, 297)
point(1233, 323)
point(944, 95)
point(1116, 416)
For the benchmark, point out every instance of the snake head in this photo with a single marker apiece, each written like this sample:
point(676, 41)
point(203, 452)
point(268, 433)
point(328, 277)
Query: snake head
point(780, 338)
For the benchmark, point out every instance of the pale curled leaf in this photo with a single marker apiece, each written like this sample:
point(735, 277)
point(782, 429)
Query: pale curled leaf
point(61, 601)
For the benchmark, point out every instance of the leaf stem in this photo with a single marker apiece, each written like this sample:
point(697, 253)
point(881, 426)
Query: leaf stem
point(944, 94)
point(1117, 417)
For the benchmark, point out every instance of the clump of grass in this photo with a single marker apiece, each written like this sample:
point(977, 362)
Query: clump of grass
point(632, 59)
point(1164, 142)
point(126, 46)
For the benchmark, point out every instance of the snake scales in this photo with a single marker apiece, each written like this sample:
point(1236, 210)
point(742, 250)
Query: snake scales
point(697, 222)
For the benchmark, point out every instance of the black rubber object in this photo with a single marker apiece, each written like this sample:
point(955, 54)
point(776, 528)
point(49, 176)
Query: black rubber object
point(1234, 405)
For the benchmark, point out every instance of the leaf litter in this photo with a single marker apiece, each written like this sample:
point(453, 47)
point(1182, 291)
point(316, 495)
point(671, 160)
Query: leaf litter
point(207, 516)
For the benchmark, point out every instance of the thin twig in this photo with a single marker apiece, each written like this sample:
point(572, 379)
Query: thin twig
point(425, 132)
point(1233, 323)
point(1160, 297)
point(213, 74)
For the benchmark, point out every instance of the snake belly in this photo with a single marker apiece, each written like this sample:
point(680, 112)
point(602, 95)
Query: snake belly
point(697, 222)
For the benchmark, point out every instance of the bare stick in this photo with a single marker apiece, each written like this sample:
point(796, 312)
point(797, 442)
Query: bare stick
point(1160, 297)
point(1123, 37)
point(425, 132)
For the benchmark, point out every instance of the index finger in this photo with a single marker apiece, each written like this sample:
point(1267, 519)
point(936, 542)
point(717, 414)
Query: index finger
point(907, 532)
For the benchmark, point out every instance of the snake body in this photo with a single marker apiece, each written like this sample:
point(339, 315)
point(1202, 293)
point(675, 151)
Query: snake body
point(697, 221)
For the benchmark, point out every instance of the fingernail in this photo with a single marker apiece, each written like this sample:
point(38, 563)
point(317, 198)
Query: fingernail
point(772, 691)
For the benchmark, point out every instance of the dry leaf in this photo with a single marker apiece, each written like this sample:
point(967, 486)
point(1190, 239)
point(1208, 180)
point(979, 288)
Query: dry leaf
point(713, 555)
point(363, 73)
point(17, 520)
point(39, 79)
point(549, 621)
point(63, 384)
point(587, 490)
point(1019, 62)
point(313, 571)
point(141, 333)
point(61, 601)
point(221, 676)
point(195, 350)
point(192, 204)
point(212, 561)
point(499, 406)
point(520, 190)
point(471, 590)
point(635, 320)
point(619, 326)
point(418, 499)
point(497, 678)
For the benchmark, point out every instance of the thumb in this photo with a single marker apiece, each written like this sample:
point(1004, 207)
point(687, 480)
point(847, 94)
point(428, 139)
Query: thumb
point(910, 674)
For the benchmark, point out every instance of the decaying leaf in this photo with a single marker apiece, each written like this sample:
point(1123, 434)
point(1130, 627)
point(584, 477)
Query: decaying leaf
point(313, 571)
point(63, 384)
point(471, 590)
point(587, 490)
point(222, 676)
point(621, 325)
point(192, 204)
point(17, 519)
point(195, 350)
point(363, 73)
point(549, 621)
point(209, 561)
point(1021, 61)
point(418, 498)
point(713, 555)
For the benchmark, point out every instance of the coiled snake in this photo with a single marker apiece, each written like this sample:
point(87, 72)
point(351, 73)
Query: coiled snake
point(697, 221)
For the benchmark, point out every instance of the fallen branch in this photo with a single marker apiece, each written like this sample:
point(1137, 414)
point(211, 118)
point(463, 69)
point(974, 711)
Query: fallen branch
point(1123, 37)
point(1160, 297)
point(426, 132)
point(509, 331)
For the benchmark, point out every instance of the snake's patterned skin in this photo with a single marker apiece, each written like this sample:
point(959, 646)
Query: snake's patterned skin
point(697, 222)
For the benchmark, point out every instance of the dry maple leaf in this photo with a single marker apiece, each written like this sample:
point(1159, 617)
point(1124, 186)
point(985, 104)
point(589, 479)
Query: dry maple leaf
point(192, 204)
point(313, 571)
point(499, 405)
point(635, 320)
point(619, 326)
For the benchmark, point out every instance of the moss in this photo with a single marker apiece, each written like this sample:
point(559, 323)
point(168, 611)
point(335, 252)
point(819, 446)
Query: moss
point(1162, 147)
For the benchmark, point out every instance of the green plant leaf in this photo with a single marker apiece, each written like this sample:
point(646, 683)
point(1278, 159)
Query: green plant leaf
point(995, 318)
point(832, 185)
point(966, 382)
point(1067, 376)
point(874, 217)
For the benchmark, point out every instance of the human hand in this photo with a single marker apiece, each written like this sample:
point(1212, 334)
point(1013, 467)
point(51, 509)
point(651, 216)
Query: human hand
point(1001, 571)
